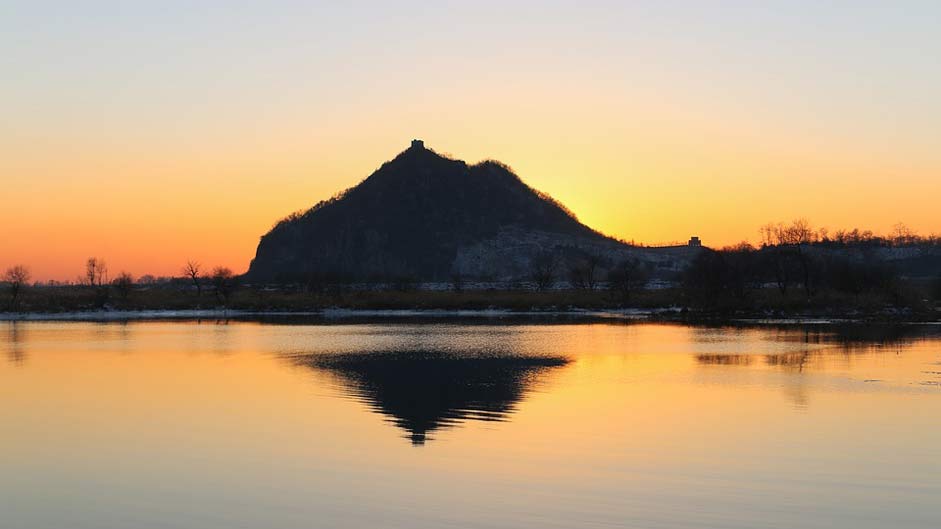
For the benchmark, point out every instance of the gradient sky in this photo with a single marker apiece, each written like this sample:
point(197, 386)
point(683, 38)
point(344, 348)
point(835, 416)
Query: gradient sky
point(149, 135)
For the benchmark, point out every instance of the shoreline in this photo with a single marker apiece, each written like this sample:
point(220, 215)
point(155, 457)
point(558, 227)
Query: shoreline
point(323, 314)
point(671, 314)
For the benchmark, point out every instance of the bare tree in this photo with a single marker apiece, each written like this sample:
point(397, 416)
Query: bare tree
point(543, 270)
point(799, 235)
point(124, 283)
point(96, 271)
point(576, 275)
point(592, 264)
point(628, 277)
point(191, 270)
point(16, 277)
point(96, 276)
point(771, 240)
point(583, 272)
point(787, 242)
point(742, 269)
point(223, 281)
point(902, 234)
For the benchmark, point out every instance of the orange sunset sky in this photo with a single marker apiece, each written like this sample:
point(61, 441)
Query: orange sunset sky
point(152, 135)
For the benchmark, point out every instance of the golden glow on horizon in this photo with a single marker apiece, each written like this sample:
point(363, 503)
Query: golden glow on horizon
point(214, 208)
point(648, 132)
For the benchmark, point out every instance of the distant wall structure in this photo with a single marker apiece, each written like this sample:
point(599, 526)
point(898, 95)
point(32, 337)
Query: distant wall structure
point(418, 144)
point(694, 241)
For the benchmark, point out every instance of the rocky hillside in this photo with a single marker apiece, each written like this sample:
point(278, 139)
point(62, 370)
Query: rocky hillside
point(427, 217)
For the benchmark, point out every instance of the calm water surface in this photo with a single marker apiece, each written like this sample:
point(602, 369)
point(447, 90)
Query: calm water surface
point(251, 425)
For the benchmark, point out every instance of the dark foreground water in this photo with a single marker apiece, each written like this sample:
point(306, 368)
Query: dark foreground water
point(250, 425)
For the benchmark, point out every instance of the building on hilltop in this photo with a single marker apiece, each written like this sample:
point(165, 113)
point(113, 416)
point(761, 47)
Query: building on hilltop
point(418, 144)
point(694, 241)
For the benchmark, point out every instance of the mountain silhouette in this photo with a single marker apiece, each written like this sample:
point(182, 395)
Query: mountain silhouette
point(425, 216)
point(425, 391)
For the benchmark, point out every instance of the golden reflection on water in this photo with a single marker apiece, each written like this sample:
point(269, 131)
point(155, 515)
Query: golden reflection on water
point(257, 425)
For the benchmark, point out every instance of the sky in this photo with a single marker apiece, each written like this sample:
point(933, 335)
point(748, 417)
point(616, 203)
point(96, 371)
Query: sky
point(149, 134)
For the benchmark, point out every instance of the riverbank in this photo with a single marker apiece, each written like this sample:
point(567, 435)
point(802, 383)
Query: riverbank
point(325, 314)
point(675, 304)
point(674, 315)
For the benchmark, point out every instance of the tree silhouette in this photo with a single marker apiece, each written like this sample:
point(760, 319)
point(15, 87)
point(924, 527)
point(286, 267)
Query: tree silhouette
point(223, 281)
point(124, 283)
point(191, 270)
point(788, 243)
point(627, 277)
point(584, 271)
point(96, 271)
point(543, 269)
point(16, 277)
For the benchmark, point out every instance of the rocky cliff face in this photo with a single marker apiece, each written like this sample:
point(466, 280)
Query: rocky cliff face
point(512, 252)
point(427, 217)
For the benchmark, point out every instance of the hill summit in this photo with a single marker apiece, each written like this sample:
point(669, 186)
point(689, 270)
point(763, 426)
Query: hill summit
point(427, 217)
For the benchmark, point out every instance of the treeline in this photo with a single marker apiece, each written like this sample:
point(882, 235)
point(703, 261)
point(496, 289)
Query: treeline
point(559, 269)
point(716, 277)
point(103, 290)
point(794, 267)
point(801, 232)
point(799, 262)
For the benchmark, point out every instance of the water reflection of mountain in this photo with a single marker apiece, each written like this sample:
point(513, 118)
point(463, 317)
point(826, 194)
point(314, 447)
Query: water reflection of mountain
point(422, 391)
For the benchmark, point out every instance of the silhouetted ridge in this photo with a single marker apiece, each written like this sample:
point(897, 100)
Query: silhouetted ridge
point(410, 218)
